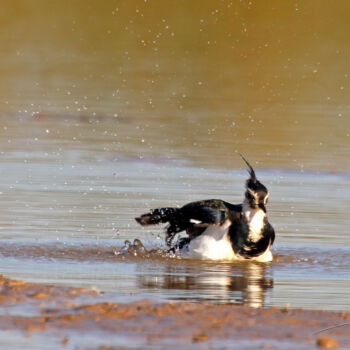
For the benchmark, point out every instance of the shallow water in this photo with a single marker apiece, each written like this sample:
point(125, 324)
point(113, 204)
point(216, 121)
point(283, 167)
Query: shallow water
point(148, 105)
point(68, 206)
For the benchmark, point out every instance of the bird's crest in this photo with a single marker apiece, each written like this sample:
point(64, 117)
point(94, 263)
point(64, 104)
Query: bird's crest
point(250, 171)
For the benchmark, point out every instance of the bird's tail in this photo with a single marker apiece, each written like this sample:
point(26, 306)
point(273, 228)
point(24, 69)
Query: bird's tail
point(157, 216)
point(162, 215)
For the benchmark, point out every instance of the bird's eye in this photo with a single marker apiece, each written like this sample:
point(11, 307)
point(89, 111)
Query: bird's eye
point(249, 196)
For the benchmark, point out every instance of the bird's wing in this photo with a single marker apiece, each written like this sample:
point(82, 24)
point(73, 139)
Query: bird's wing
point(200, 215)
point(204, 213)
point(195, 217)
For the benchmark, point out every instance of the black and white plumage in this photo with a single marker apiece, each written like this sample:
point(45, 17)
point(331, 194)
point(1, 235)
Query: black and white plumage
point(218, 230)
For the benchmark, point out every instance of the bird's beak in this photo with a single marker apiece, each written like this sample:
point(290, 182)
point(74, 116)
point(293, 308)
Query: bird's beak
point(262, 206)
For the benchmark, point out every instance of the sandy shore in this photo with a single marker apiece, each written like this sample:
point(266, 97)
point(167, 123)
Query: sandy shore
point(65, 314)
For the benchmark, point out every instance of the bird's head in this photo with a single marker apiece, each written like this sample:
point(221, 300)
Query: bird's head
point(256, 194)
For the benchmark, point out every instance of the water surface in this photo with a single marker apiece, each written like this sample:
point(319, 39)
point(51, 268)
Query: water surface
point(68, 205)
point(108, 110)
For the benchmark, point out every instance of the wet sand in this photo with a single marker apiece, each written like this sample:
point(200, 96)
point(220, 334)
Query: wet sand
point(63, 312)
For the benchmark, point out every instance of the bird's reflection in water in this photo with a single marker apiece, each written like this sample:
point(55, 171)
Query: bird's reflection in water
point(253, 284)
point(243, 283)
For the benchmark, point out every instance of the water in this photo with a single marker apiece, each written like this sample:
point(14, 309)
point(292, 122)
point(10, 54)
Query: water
point(148, 105)
point(67, 205)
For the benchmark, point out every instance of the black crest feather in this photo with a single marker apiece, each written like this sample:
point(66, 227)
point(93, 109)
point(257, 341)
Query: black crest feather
point(250, 171)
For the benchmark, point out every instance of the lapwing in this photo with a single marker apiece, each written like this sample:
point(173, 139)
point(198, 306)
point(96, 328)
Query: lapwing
point(218, 230)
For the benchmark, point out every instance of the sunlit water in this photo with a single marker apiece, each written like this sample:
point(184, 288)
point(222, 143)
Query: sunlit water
point(68, 204)
point(108, 110)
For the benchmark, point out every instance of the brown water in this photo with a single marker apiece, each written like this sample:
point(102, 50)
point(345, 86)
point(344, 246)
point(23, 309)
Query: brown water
point(68, 204)
point(110, 109)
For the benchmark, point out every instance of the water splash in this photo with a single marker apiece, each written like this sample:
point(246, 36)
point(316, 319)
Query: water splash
point(137, 249)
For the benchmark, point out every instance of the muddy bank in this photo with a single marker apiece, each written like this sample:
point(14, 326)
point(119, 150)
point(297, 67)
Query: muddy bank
point(63, 313)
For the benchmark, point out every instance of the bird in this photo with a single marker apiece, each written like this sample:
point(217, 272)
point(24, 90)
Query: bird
point(218, 230)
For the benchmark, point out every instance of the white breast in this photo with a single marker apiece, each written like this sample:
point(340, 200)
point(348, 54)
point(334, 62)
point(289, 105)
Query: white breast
point(213, 244)
point(255, 218)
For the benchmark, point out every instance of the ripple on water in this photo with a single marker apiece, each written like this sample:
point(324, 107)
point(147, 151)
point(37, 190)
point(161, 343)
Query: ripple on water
point(298, 276)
